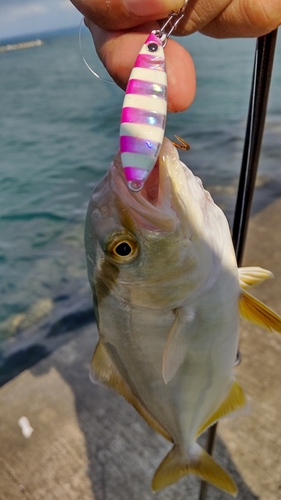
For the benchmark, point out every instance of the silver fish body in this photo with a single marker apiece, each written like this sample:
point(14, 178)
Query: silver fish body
point(166, 290)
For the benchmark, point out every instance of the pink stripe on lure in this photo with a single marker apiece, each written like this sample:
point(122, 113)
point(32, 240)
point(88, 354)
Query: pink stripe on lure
point(131, 144)
point(146, 88)
point(146, 61)
point(144, 113)
point(134, 115)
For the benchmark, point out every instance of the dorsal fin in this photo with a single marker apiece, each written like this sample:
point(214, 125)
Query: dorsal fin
point(251, 276)
point(105, 371)
point(254, 311)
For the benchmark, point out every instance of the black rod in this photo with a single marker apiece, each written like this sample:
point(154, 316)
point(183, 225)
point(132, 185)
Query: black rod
point(253, 139)
point(211, 437)
point(262, 72)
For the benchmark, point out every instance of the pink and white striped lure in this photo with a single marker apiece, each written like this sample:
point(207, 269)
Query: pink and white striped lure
point(144, 112)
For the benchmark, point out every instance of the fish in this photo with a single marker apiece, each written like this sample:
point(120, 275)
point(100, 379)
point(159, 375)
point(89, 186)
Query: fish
point(144, 112)
point(167, 296)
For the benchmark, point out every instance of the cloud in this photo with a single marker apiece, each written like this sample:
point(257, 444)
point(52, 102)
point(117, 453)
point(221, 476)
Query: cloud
point(65, 4)
point(25, 17)
point(16, 9)
point(16, 12)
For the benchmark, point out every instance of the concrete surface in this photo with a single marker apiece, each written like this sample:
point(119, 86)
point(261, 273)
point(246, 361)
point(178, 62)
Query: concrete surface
point(89, 444)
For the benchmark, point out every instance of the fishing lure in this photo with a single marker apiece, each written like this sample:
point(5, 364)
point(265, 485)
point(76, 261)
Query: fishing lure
point(144, 111)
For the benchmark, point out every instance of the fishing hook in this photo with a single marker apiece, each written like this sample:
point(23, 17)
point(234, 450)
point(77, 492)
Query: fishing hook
point(173, 20)
point(184, 146)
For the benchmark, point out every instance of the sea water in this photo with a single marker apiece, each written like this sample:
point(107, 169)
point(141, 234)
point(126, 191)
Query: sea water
point(59, 132)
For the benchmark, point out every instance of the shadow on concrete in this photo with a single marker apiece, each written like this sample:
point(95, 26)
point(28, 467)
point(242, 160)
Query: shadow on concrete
point(123, 452)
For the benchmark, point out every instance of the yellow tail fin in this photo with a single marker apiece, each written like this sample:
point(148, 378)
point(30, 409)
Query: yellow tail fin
point(254, 311)
point(175, 466)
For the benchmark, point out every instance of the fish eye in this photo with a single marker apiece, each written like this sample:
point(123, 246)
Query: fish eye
point(122, 248)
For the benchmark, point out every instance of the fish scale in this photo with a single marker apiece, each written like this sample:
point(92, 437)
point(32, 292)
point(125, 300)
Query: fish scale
point(144, 111)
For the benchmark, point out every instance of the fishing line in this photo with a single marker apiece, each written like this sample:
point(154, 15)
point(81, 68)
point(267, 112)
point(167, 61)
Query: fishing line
point(84, 59)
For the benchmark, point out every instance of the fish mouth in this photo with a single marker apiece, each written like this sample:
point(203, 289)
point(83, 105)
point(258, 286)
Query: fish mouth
point(160, 185)
point(150, 190)
point(165, 187)
point(155, 206)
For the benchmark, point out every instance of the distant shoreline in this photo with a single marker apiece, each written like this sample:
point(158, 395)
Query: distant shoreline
point(39, 35)
point(21, 45)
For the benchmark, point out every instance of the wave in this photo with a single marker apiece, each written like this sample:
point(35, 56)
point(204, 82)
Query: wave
point(33, 215)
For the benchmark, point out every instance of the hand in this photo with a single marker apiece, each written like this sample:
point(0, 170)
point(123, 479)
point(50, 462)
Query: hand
point(119, 28)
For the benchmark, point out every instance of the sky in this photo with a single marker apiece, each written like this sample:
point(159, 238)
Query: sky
point(22, 18)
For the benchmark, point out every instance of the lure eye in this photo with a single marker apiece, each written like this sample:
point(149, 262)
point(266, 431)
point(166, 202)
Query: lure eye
point(152, 47)
point(122, 247)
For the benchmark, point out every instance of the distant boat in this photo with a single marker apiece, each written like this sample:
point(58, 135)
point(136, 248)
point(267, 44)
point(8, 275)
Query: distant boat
point(21, 45)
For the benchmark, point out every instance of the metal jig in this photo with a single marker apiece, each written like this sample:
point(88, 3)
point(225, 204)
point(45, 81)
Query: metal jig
point(144, 111)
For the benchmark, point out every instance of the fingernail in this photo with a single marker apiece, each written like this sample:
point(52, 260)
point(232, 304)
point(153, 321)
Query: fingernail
point(146, 8)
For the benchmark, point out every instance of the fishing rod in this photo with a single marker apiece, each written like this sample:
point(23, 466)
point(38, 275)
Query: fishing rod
point(262, 71)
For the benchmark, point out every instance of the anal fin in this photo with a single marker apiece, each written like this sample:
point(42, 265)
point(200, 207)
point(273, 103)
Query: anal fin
point(106, 372)
point(254, 311)
point(234, 401)
point(175, 466)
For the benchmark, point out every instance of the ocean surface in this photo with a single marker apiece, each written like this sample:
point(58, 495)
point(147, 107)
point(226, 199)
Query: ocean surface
point(59, 132)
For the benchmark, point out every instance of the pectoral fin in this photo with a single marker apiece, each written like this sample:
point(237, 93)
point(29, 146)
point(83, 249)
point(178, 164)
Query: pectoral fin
point(200, 463)
point(177, 343)
point(234, 401)
point(105, 371)
point(254, 311)
point(251, 276)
